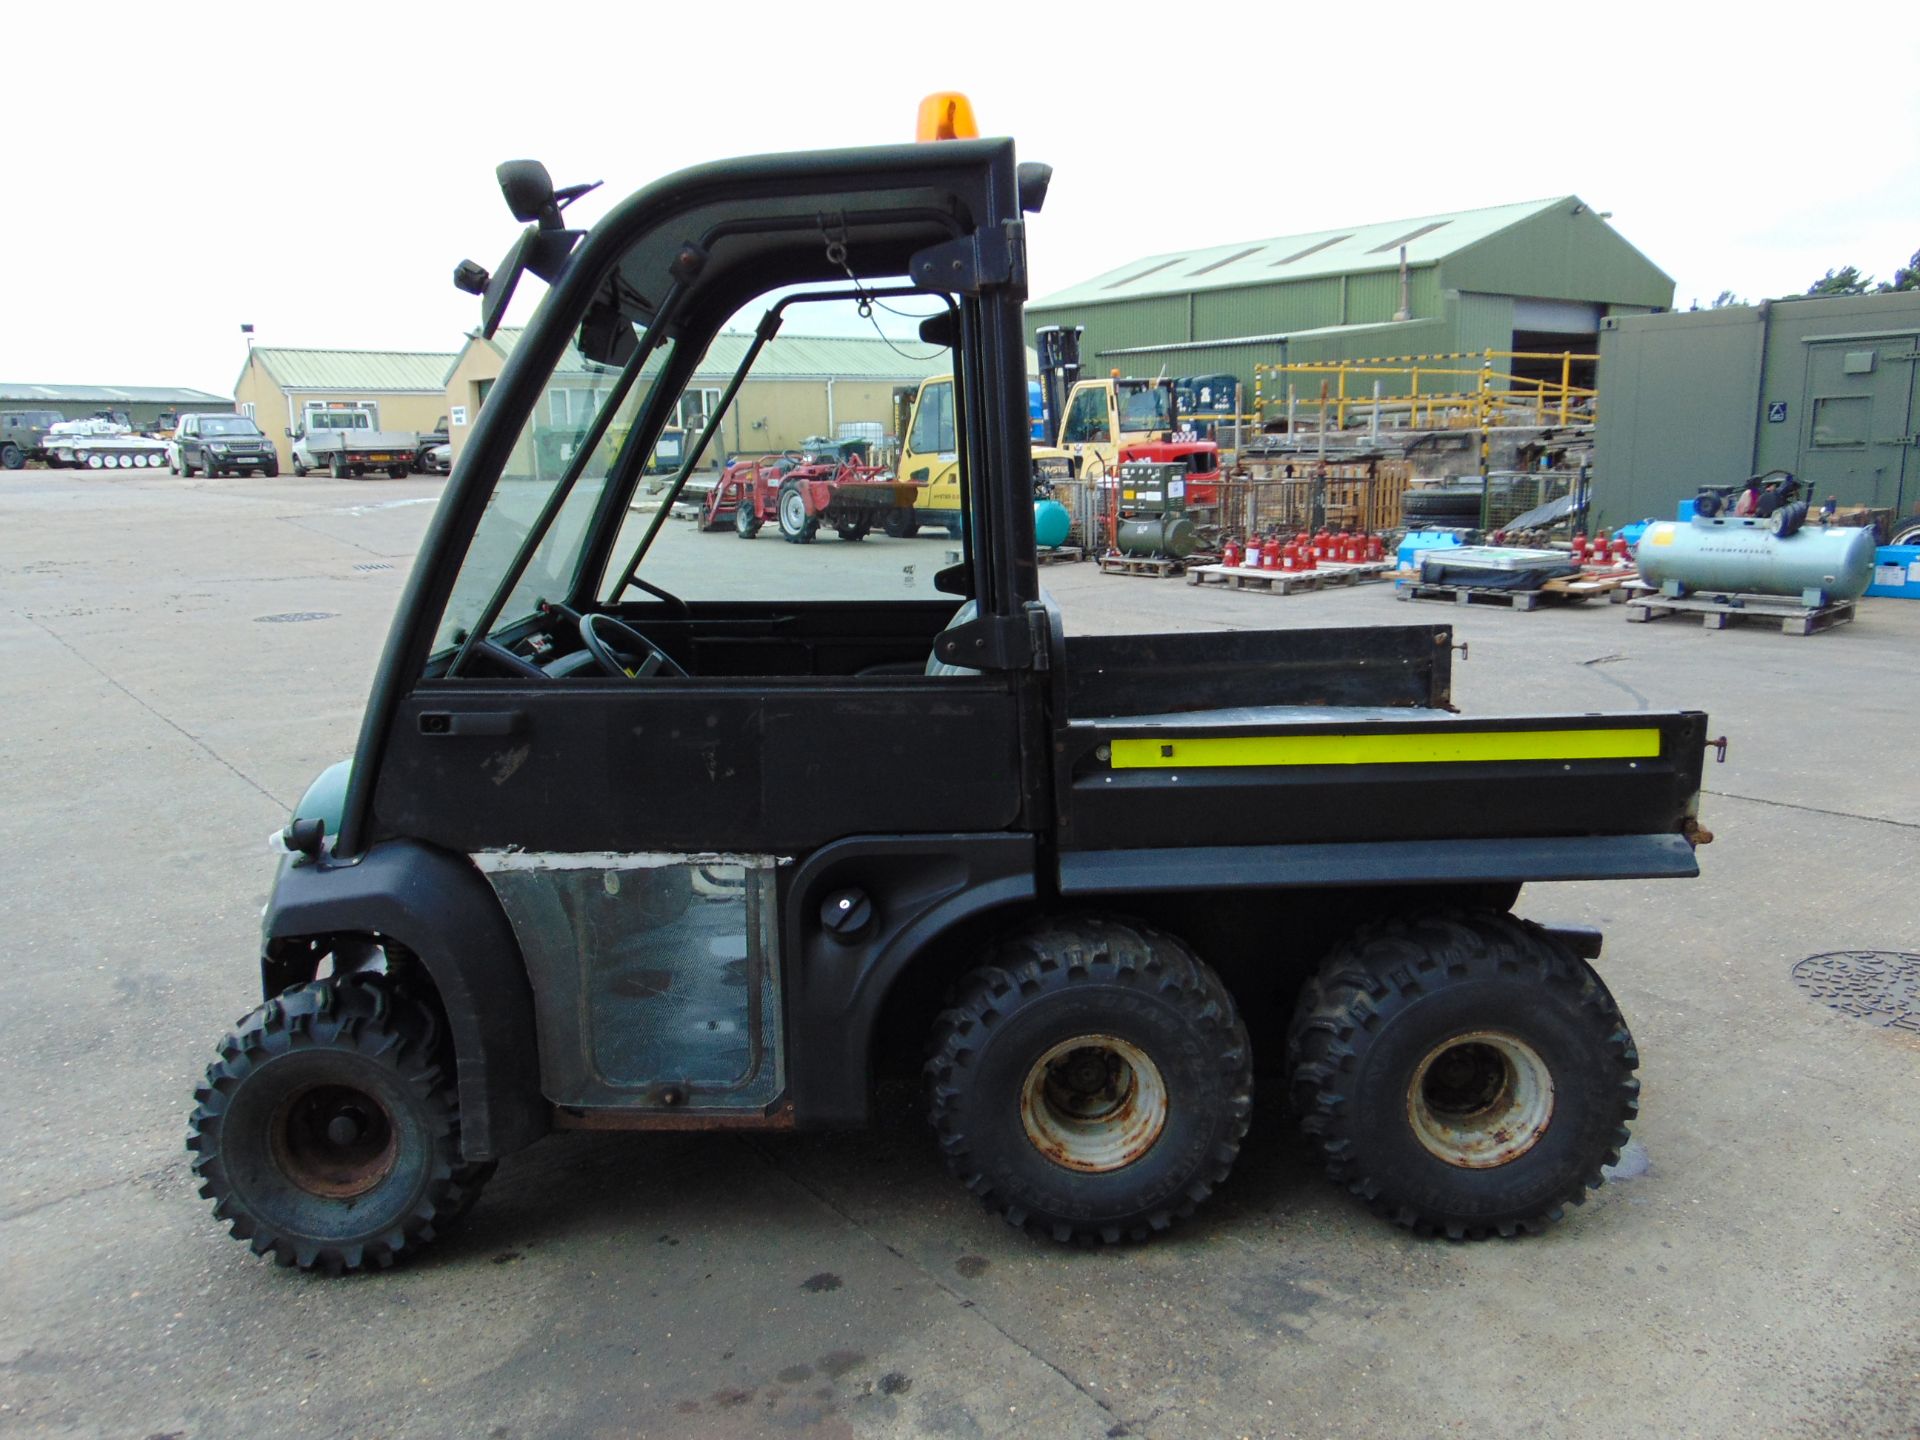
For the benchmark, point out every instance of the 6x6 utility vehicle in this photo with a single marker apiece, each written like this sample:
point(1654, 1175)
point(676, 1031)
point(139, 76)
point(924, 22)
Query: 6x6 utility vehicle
point(645, 832)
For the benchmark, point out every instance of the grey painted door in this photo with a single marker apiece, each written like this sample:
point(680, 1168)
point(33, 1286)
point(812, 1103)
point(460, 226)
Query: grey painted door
point(1859, 419)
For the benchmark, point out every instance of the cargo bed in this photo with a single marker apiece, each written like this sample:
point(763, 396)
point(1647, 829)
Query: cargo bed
point(1336, 757)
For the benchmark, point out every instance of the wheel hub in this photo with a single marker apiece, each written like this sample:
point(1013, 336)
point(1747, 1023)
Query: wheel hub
point(1094, 1104)
point(1480, 1100)
point(334, 1140)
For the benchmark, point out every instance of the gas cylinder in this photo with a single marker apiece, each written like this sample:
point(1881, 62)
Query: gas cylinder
point(1620, 554)
point(1051, 524)
point(1745, 554)
point(1306, 560)
point(1230, 554)
point(1580, 547)
point(1350, 549)
point(1270, 553)
point(1290, 555)
point(1376, 549)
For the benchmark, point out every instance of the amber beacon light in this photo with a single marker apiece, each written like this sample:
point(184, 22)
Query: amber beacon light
point(946, 115)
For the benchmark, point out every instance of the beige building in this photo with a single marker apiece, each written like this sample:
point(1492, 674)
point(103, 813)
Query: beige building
point(405, 390)
point(801, 386)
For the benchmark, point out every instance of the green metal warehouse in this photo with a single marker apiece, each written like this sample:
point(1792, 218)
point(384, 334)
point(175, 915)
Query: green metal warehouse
point(1826, 387)
point(1539, 276)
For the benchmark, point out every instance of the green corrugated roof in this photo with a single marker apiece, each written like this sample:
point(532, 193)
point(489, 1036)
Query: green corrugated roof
point(108, 395)
point(356, 370)
point(1345, 250)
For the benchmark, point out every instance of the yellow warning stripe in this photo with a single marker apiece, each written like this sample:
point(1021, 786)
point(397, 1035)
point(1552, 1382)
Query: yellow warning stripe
point(1420, 748)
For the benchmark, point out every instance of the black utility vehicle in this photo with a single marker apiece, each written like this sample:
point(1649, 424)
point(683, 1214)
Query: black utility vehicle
point(628, 846)
point(223, 444)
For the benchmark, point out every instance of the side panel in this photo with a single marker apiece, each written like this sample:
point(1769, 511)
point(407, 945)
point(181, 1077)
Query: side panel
point(438, 906)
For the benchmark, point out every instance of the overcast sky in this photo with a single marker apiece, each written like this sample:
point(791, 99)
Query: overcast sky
point(317, 172)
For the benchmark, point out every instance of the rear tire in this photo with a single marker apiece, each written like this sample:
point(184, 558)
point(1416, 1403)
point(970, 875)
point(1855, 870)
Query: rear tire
point(1092, 1082)
point(337, 468)
point(328, 1135)
point(1905, 531)
point(1464, 1075)
point(856, 529)
point(901, 523)
point(396, 472)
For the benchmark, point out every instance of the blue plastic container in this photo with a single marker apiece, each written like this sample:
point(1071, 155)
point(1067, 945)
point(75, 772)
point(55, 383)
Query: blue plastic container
point(1896, 572)
point(1408, 555)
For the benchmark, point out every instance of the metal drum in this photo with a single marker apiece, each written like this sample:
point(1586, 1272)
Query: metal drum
point(1743, 554)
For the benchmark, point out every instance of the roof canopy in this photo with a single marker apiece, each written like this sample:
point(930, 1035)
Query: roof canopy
point(355, 370)
point(11, 394)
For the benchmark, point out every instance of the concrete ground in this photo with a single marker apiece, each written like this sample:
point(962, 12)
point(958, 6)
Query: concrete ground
point(180, 657)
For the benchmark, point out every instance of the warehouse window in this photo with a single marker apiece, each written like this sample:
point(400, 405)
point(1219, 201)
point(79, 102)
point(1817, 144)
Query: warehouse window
point(1313, 249)
point(1411, 235)
point(697, 407)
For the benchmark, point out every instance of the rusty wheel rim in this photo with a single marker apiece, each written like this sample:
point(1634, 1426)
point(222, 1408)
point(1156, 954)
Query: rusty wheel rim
point(335, 1141)
point(1094, 1103)
point(1481, 1100)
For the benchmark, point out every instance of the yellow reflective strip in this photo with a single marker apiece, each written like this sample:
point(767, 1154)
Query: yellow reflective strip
point(1421, 747)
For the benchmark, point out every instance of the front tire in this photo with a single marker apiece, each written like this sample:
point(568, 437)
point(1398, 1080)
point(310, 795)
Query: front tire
point(1464, 1075)
point(327, 1134)
point(797, 527)
point(746, 519)
point(12, 457)
point(1092, 1082)
point(901, 523)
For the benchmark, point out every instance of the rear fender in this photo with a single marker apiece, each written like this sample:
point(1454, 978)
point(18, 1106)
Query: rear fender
point(924, 890)
point(439, 906)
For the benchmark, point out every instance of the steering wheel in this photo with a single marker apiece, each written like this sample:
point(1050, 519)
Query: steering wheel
point(627, 645)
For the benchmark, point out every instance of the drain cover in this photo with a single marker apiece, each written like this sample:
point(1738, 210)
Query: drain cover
point(1882, 986)
point(374, 565)
point(293, 617)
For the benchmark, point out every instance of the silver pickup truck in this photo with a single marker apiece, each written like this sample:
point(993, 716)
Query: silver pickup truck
point(345, 443)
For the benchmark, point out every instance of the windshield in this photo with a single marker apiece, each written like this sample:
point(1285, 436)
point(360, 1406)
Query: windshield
point(1144, 406)
point(546, 449)
point(228, 425)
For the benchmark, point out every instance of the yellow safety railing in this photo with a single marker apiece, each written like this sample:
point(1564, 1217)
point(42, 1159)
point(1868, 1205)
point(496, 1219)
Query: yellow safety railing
point(1467, 397)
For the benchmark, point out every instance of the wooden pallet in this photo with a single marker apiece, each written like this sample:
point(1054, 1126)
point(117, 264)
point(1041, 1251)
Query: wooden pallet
point(1471, 595)
point(1717, 612)
point(1286, 582)
point(1616, 587)
point(1060, 554)
point(1140, 565)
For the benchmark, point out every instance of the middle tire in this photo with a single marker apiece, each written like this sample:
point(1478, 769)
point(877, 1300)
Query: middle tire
point(1092, 1082)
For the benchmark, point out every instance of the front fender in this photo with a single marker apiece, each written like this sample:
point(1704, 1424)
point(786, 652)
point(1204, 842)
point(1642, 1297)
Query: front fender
point(437, 905)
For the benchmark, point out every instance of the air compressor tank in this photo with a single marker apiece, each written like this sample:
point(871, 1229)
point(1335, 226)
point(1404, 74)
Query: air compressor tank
point(1743, 554)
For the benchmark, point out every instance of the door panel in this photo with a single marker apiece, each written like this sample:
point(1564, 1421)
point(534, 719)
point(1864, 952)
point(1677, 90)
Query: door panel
point(1859, 420)
point(759, 765)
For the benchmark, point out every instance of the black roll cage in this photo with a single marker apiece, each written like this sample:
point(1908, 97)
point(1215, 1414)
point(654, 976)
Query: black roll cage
point(970, 242)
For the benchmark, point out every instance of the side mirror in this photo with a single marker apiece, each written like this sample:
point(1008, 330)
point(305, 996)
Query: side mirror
point(527, 186)
point(290, 434)
point(941, 329)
